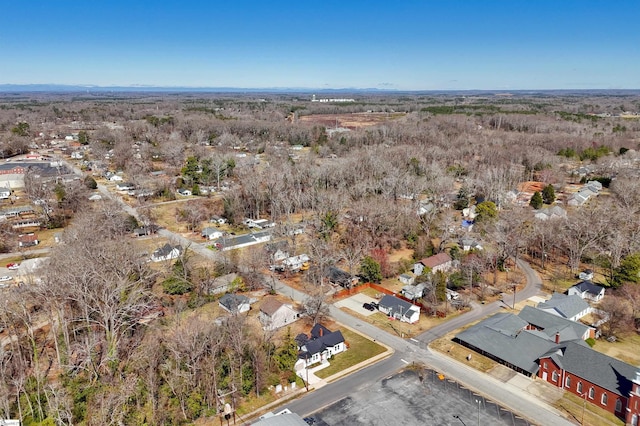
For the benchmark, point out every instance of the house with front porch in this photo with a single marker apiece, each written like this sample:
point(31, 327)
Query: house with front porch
point(438, 262)
point(320, 346)
point(587, 291)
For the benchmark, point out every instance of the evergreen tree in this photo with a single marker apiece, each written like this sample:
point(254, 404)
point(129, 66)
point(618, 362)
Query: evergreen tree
point(536, 200)
point(370, 270)
point(548, 194)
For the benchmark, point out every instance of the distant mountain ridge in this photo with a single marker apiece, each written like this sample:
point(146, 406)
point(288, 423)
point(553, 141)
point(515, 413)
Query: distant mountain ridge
point(64, 88)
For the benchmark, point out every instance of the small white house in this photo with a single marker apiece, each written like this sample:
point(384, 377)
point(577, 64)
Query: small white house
point(587, 290)
point(275, 314)
point(295, 263)
point(116, 178)
point(166, 252)
point(5, 193)
point(407, 279)
point(211, 233)
point(234, 303)
point(399, 309)
point(184, 192)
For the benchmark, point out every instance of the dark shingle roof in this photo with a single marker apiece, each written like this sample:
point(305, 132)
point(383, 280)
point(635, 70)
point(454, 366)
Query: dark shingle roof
point(589, 287)
point(395, 304)
point(609, 373)
point(500, 336)
point(233, 301)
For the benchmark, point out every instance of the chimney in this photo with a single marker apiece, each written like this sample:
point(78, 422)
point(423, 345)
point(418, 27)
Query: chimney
point(557, 337)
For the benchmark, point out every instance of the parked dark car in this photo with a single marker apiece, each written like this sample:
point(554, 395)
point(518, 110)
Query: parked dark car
point(369, 307)
point(309, 420)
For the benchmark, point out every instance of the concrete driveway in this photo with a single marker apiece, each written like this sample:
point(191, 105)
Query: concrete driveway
point(355, 303)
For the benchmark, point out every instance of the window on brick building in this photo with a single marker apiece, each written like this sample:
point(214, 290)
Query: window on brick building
point(579, 389)
point(618, 404)
point(567, 382)
point(554, 376)
point(603, 399)
point(592, 393)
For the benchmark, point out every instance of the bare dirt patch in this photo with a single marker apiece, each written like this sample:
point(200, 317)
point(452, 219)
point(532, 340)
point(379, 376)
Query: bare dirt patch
point(351, 121)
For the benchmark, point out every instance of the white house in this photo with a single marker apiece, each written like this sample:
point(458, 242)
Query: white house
point(5, 193)
point(211, 233)
point(166, 252)
point(234, 303)
point(407, 279)
point(399, 309)
point(571, 307)
point(116, 178)
point(587, 290)
point(320, 346)
point(295, 263)
point(275, 314)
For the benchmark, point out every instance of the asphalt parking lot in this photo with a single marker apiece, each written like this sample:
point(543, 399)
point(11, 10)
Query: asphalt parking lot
point(415, 397)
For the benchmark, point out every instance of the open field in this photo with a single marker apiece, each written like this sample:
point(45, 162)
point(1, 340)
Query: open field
point(350, 121)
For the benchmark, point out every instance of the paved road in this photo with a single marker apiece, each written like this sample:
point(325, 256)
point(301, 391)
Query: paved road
point(407, 351)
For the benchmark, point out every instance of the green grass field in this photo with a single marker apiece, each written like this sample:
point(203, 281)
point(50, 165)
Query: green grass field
point(360, 349)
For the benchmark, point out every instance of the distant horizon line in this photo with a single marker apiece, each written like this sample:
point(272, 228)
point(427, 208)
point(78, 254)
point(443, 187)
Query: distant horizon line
point(54, 87)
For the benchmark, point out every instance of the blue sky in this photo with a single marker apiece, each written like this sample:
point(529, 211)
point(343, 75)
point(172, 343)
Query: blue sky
point(404, 45)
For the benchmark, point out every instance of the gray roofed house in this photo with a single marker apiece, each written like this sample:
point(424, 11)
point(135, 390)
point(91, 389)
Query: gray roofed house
point(587, 290)
point(234, 303)
point(504, 338)
point(414, 292)
point(322, 345)
point(166, 252)
point(571, 307)
point(551, 324)
point(284, 419)
point(400, 309)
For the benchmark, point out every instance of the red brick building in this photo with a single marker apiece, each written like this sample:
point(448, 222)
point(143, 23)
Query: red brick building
point(611, 384)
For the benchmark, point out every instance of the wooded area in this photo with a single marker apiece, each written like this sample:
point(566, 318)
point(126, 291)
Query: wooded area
point(364, 179)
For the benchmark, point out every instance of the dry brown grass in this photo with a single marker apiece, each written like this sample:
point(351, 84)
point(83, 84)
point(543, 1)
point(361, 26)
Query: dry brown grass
point(460, 353)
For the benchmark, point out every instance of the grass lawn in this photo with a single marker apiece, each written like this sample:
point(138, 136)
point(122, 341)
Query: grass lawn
point(625, 348)
point(593, 415)
point(360, 349)
point(459, 353)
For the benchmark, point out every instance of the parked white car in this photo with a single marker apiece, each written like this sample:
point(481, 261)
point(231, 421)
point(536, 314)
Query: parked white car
point(5, 278)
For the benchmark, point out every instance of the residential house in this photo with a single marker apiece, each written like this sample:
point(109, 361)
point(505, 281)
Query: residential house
point(407, 279)
point(166, 252)
point(184, 192)
point(224, 283)
point(337, 276)
point(439, 262)
point(145, 230)
point(597, 378)
point(211, 233)
point(320, 346)
point(585, 275)
point(587, 290)
point(115, 178)
point(234, 303)
point(217, 219)
point(5, 193)
point(125, 186)
point(28, 240)
point(555, 212)
point(572, 307)
point(275, 314)
point(414, 292)
point(468, 244)
point(245, 240)
point(296, 263)
point(518, 341)
point(397, 308)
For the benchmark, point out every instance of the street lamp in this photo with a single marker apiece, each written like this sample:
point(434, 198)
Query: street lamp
point(584, 405)
point(458, 417)
point(479, 403)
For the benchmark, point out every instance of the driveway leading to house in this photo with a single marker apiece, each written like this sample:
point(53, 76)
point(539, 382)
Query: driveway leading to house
point(355, 303)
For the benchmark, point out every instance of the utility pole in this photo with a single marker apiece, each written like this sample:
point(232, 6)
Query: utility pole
point(515, 286)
